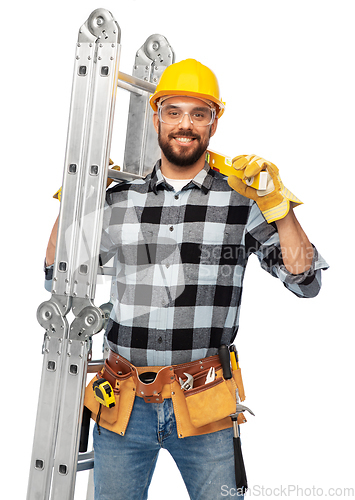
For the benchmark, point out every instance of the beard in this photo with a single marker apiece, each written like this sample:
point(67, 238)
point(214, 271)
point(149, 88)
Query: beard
point(183, 158)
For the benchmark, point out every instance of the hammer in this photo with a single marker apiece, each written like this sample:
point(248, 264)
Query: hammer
point(240, 475)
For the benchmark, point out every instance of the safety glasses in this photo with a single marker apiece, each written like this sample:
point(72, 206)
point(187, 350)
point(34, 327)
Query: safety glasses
point(173, 114)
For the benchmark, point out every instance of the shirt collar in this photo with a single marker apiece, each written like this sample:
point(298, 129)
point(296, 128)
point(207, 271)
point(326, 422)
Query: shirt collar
point(203, 180)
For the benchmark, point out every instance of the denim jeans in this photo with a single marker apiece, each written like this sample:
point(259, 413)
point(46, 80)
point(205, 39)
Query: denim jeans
point(124, 465)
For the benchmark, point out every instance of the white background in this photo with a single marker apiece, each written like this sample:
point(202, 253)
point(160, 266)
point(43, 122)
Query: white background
point(285, 69)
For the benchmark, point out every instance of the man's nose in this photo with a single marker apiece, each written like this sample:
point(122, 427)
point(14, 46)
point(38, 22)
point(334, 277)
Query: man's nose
point(186, 122)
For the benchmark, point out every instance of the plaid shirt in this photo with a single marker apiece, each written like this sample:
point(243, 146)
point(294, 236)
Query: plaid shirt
point(180, 259)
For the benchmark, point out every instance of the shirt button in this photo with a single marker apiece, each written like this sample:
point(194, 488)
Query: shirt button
point(176, 197)
point(160, 340)
point(171, 228)
point(167, 266)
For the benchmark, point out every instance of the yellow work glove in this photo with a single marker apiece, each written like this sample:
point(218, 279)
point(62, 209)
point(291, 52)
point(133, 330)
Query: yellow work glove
point(58, 194)
point(274, 201)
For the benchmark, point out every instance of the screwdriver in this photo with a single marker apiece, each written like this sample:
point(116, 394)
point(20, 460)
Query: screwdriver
point(234, 357)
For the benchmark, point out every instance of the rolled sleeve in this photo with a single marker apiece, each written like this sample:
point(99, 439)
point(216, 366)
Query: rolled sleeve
point(307, 284)
point(263, 241)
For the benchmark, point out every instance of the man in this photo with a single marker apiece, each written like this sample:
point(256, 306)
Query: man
point(181, 239)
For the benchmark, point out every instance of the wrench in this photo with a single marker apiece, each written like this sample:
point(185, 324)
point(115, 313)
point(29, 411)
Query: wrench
point(188, 384)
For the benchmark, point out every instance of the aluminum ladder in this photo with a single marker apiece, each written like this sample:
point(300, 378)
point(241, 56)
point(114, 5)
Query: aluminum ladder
point(67, 344)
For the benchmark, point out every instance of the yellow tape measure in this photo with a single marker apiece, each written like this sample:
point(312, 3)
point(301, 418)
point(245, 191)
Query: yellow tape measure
point(103, 393)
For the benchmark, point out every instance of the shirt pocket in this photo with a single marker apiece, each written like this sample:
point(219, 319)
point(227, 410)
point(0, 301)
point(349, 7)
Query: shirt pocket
point(135, 253)
point(206, 252)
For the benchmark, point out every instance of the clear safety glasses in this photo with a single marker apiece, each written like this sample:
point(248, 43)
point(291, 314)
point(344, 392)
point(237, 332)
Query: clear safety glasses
point(173, 114)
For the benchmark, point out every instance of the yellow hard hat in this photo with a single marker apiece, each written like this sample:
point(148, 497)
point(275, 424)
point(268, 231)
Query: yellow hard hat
point(189, 78)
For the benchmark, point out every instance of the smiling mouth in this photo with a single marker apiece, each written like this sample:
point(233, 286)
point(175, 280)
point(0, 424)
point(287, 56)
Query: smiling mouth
point(184, 140)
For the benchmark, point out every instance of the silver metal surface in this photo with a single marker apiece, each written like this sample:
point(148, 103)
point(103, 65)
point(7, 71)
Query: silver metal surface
point(134, 84)
point(66, 348)
point(119, 175)
point(95, 365)
point(142, 149)
point(85, 461)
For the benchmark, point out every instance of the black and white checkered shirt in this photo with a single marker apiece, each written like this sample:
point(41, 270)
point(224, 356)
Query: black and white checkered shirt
point(180, 260)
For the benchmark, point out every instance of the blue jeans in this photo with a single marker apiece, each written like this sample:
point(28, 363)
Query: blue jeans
point(124, 465)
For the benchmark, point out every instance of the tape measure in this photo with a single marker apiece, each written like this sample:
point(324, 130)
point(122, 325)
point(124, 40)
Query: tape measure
point(103, 393)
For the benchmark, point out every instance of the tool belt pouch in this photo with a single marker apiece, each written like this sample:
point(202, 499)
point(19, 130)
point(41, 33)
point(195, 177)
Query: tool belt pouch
point(109, 415)
point(207, 403)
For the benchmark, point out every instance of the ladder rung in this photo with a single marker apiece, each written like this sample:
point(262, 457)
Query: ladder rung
point(95, 365)
point(122, 176)
point(85, 461)
point(107, 271)
point(135, 83)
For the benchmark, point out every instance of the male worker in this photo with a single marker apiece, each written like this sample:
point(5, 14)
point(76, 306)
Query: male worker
point(181, 238)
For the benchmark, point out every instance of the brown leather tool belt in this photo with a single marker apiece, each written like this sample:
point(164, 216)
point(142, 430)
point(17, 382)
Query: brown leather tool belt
point(204, 408)
point(150, 383)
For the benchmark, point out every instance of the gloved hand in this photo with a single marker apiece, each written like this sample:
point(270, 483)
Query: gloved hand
point(274, 201)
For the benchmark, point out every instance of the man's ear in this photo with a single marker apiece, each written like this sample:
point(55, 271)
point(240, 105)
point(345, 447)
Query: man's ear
point(214, 127)
point(156, 122)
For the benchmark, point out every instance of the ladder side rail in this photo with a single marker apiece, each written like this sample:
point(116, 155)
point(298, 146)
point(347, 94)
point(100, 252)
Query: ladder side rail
point(96, 170)
point(88, 318)
point(141, 148)
point(51, 314)
point(74, 166)
point(63, 379)
point(44, 440)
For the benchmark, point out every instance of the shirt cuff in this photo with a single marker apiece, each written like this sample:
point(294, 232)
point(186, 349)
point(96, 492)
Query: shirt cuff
point(48, 276)
point(317, 263)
